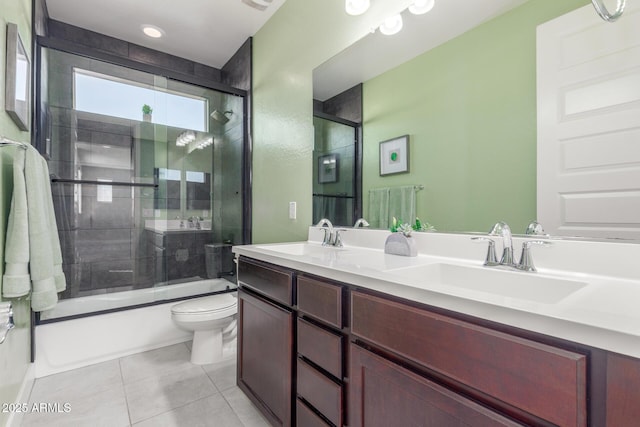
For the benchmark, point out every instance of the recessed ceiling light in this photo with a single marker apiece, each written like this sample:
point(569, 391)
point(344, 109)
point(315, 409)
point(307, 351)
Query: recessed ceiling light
point(152, 31)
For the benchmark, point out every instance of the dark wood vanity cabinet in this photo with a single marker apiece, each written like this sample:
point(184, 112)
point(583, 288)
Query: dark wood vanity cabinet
point(265, 339)
point(316, 353)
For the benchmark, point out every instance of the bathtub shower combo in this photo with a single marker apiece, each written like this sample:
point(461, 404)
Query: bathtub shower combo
point(148, 183)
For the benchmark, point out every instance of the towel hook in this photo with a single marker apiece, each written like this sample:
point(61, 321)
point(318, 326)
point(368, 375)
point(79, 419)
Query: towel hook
point(601, 9)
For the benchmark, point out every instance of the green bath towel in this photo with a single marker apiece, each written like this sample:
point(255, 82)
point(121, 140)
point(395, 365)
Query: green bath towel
point(32, 252)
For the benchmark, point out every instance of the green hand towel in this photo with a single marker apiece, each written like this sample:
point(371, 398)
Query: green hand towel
point(402, 203)
point(379, 208)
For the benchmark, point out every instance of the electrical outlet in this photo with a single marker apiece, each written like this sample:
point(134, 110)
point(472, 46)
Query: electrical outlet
point(292, 210)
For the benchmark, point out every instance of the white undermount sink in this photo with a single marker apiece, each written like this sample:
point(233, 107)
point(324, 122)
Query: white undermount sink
point(510, 284)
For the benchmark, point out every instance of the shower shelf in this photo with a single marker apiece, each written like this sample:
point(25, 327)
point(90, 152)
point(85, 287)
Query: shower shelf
point(118, 183)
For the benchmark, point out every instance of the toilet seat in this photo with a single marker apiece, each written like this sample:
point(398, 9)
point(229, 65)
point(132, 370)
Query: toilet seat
point(206, 305)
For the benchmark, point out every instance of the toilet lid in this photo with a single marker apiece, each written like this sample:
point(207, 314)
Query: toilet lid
point(206, 304)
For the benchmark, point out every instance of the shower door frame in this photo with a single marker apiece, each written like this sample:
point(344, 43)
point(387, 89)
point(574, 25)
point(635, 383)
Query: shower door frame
point(39, 132)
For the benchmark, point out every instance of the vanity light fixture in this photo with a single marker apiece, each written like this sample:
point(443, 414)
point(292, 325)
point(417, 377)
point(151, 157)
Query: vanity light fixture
point(391, 25)
point(356, 7)
point(152, 31)
point(420, 7)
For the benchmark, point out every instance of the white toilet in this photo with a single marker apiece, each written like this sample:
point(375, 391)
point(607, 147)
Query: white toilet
point(213, 321)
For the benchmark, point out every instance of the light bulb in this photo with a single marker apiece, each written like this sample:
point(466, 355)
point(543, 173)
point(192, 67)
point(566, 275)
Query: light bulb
point(152, 31)
point(356, 7)
point(420, 7)
point(391, 25)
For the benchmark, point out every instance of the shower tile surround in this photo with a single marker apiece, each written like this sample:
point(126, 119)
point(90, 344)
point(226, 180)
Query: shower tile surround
point(155, 388)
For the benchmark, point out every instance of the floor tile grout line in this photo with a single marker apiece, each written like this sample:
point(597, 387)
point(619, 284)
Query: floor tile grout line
point(177, 407)
point(124, 390)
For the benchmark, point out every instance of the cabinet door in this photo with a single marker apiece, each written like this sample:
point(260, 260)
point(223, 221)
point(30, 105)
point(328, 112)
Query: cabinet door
point(383, 394)
point(265, 356)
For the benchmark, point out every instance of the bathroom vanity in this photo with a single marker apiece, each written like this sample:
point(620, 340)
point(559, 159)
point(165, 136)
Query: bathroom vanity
point(348, 336)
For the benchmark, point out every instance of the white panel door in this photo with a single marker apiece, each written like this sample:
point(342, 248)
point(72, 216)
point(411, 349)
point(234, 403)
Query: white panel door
point(588, 75)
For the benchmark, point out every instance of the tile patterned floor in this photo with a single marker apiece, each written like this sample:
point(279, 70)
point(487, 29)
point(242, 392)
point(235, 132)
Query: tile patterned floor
point(158, 388)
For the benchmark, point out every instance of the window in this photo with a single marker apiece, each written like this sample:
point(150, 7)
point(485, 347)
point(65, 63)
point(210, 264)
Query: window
point(112, 96)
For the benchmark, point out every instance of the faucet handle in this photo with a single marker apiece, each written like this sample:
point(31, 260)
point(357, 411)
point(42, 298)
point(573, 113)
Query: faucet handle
point(526, 260)
point(326, 240)
point(491, 258)
point(337, 239)
point(535, 229)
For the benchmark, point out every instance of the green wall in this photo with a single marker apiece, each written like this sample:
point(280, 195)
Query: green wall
point(15, 351)
point(300, 36)
point(469, 107)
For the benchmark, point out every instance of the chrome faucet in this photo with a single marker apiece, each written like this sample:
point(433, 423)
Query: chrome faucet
point(361, 223)
point(502, 229)
point(194, 222)
point(331, 235)
point(328, 232)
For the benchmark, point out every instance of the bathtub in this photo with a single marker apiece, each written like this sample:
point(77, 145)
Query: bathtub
point(69, 344)
point(115, 300)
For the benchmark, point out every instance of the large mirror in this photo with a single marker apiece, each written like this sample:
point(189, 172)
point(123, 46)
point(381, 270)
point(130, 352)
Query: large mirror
point(463, 86)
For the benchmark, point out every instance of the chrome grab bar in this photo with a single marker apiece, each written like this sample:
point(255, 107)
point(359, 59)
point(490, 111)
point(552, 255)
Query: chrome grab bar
point(6, 311)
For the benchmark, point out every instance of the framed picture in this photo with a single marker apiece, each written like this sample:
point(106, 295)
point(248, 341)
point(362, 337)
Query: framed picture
point(328, 168)
point(17, 79)
point(394, 156)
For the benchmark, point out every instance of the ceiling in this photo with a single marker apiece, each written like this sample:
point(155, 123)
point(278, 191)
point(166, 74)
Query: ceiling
point(205, 31)
point(211, 31)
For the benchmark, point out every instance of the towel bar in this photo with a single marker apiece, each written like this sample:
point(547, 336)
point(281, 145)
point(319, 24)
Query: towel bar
point(7, 142)
point(6, 311)
point(112, 183)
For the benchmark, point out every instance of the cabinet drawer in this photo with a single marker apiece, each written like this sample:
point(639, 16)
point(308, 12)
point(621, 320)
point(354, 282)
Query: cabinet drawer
point(320, 300)
point(305, 417)
point(322, 347)
point(274, 282)
point(321, 392)
point(541, 380)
